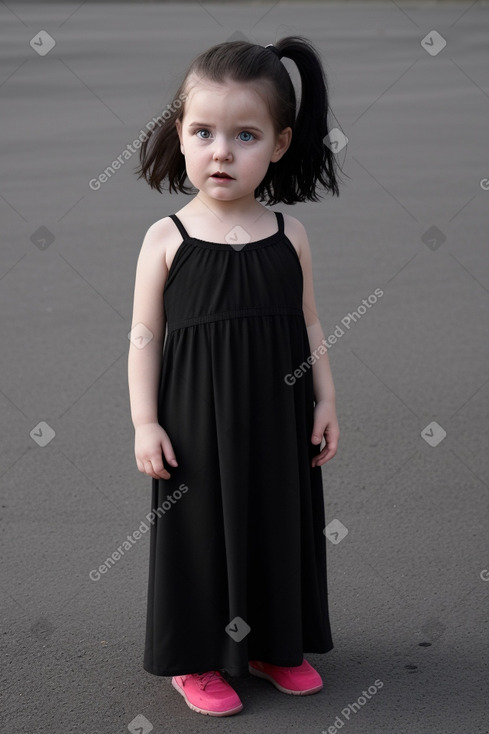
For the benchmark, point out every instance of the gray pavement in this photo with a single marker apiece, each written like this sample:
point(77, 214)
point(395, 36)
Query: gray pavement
point(408, 583)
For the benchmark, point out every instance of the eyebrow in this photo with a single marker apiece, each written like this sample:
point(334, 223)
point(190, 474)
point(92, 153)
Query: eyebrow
point(241, 127)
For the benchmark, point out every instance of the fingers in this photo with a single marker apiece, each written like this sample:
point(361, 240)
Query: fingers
point(153, 468)
point(153, 465)
point(328, 451)
point(147, 468)
point(168, 452)
point(157, 470)
point(325, 455)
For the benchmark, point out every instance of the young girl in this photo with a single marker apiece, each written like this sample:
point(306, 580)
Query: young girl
point(236, 404)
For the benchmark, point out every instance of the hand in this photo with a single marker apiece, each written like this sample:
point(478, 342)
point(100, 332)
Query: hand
point(151, 442)
point(325, 424)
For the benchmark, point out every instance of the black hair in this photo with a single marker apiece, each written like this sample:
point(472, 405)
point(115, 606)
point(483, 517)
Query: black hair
point(307, 162)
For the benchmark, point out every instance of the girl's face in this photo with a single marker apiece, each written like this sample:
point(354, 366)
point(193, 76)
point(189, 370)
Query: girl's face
point(227, 128)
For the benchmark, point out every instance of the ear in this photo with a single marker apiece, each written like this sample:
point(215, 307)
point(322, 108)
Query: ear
point(178, 125)
point(283, 142)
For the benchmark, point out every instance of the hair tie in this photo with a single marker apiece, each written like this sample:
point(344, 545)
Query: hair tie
point(275, 50)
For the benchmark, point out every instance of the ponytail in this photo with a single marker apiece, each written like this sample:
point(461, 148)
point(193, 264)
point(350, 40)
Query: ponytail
point(308, 160)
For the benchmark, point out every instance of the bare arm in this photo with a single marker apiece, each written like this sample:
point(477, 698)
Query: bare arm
point(323, 379)
point(144, 362)
point(324, 389)
point(144, 359)
point(325, 420)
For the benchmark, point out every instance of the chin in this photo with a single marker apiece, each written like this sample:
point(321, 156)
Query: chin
point(222, 197)
point(221, 193)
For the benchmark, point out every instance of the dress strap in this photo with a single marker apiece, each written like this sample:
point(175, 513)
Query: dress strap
point(180, 226)
point(280, 220)
point(185, 235)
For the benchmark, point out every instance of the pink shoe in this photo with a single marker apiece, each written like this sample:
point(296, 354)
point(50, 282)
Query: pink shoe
point(208, 693)
point(299, 680)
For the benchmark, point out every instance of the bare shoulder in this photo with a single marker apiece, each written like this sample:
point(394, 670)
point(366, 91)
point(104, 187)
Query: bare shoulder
point(163, 230)
point(296, 232)
point(161, 240)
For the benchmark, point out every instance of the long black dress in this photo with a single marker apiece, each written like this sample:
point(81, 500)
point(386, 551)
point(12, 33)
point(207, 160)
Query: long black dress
point(237, 566)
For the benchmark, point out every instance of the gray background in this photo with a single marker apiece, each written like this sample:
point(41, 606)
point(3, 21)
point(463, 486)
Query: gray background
point(408, 599)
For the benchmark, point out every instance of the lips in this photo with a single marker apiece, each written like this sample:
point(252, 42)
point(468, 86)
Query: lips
point(221, 174)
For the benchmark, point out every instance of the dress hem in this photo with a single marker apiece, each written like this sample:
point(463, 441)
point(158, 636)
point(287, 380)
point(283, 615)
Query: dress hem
point(235, 673)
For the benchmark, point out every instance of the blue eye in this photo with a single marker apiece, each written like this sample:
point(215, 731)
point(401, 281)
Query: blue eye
point(202, 130)
point(245, 132)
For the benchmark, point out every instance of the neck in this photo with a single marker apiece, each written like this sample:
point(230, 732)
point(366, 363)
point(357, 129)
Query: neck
point(236, 210)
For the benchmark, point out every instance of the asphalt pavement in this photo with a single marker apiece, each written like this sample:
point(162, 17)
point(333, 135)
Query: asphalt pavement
point(401, 271)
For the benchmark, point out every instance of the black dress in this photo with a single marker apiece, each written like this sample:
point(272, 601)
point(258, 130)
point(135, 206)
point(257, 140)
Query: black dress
point(237, 566)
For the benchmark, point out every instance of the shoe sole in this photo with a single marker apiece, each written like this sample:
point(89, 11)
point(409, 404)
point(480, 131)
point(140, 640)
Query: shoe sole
point(265, 676)
point(229, 712)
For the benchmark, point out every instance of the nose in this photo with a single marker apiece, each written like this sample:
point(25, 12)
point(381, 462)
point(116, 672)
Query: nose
point(222, 150)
